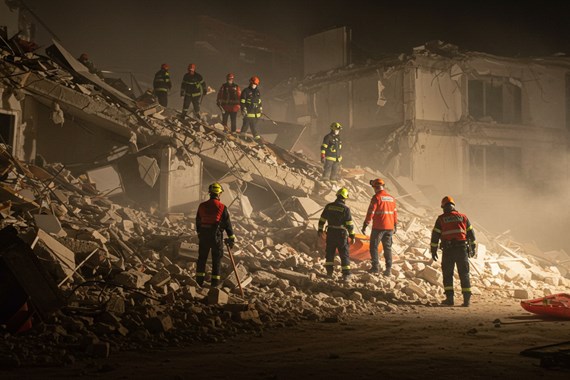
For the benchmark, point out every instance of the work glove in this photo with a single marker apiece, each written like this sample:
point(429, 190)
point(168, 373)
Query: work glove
point(322, 158)
point(321, 233)
point(243, 112)
point(473, 250)
point(351, 240)
point(434, 255)
point(230, 242)
point(364, 227)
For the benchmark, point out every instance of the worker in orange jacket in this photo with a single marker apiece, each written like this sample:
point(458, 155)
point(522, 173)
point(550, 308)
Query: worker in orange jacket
point(458, 244)
point(383, 215)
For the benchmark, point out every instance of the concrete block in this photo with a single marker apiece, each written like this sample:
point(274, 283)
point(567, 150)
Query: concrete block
point(49, 223)
point(430, 275)
point(412, 289)
point(245, 279)
point(522, 294)
point(160, 323)
point(160, 278)
point(188, 251)
point(132, 278)
point(217, 297)
point(64, 256)
point(107, 180)
point(264, 278)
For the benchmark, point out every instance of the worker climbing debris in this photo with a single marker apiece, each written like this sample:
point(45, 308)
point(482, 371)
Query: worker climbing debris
point(331, 154)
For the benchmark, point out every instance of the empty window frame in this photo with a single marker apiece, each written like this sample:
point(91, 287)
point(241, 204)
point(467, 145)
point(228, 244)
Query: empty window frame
point(494, 98)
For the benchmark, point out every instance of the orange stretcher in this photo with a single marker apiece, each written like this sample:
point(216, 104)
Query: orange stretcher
point(359, 251)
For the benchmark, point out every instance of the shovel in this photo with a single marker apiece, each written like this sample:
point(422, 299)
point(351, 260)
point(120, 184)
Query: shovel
point(234, 266)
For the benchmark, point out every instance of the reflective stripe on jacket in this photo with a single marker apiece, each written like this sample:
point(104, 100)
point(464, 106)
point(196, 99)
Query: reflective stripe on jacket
point(162, 81)
point(193, 85)
point(337, 215)
point(251, 102)
point(212, 215)
point(229, 97)
point(452, 226)
point(332, 147)
point(382, 211)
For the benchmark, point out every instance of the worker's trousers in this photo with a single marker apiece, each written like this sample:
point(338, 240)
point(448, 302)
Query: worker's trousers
point(385, 236)
point(195, 100)
point(209, 242)
point(455, 254)
point(331, 170)
point(250, 122)
point(337, 240)
point(233, 117)
point(162, 97)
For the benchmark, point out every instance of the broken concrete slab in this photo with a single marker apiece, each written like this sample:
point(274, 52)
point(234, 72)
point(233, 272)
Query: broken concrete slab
point(107, 180)
point(217, 297)
point(49, 223)
point(132, 278)
point(49, 248)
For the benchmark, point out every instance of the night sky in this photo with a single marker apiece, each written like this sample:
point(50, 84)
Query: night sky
point(138, 35)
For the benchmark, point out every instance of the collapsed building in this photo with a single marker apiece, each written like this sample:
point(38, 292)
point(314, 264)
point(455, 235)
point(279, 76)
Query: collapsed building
point(97, 197)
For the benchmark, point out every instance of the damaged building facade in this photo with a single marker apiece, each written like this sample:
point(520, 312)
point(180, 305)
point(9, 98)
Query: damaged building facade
point(464, 123)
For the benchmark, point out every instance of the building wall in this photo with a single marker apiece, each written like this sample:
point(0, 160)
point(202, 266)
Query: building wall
point(438, 95)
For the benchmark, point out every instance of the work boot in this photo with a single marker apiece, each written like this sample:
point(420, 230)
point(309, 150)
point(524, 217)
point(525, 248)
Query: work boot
point(373, 270)
point(330, 273)
point(466, 299)
point(448, 299)
point(215, 283)
point(346, 277)
point(387, 272)
point(200, 281)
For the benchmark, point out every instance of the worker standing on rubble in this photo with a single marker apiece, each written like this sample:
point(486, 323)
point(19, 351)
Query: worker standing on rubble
point(251, 109)
point(193, 89)
point(458, 244)
point(162, 84)
point(228, 100)
point(383, 215)
point(212, 219)
point(84, 59)
point(340, 231)
point(331, 153)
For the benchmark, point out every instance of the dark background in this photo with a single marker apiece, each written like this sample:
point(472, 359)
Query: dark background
point(139, 35)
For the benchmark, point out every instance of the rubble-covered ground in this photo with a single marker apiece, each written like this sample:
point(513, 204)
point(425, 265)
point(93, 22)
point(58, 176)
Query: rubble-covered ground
point(122, 277)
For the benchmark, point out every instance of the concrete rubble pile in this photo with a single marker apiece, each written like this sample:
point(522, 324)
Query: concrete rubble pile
point(125, 276)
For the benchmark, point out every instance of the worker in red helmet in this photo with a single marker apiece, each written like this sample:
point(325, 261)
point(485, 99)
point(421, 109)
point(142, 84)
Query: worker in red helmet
point(84, 59)
point(383, 215)
point(162, 84)
point(458, 244)
point(193, 89)
point(229, 100)
point(251, 109)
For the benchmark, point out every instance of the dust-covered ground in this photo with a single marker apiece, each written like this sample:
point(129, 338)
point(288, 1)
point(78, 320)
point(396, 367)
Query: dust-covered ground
point(421, 342)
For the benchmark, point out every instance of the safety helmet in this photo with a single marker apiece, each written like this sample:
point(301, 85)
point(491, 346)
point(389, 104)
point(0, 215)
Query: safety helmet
point(447, 199)
point(342, 192)
point(254, 80)
point(215, 188)
point(230, 76)
point(164, 66)
point(377, 182)
point(336, 126)
point(191, 67)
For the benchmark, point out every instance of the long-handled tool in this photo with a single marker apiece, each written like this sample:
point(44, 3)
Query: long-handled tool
point(234, 266)
point(270, 119)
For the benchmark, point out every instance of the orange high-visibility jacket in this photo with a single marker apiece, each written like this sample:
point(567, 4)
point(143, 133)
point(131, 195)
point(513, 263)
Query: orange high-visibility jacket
point(382, 211)
point(452, 226)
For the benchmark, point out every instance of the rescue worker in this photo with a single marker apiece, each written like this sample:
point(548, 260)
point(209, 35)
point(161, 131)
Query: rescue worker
point(340, 231)
point(458, 244)
point(383, 215)
point(212, 219)
point(162, 84)
point(251, 109)
point(331, 155)
point(84, 59)
point(229, 100)
point(193, 89)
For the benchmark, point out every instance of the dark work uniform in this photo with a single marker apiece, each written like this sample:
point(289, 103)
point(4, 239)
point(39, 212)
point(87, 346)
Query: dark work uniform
point(229, 99)
point(251, 107)
point(455, 232)
point(193, 88)
point(212, 219)
point(340, 227)
point(161, 86)
point(332, 149)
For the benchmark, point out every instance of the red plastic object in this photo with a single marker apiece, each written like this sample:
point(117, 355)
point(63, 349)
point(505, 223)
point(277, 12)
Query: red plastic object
point(555, 305)
point(359, 251)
